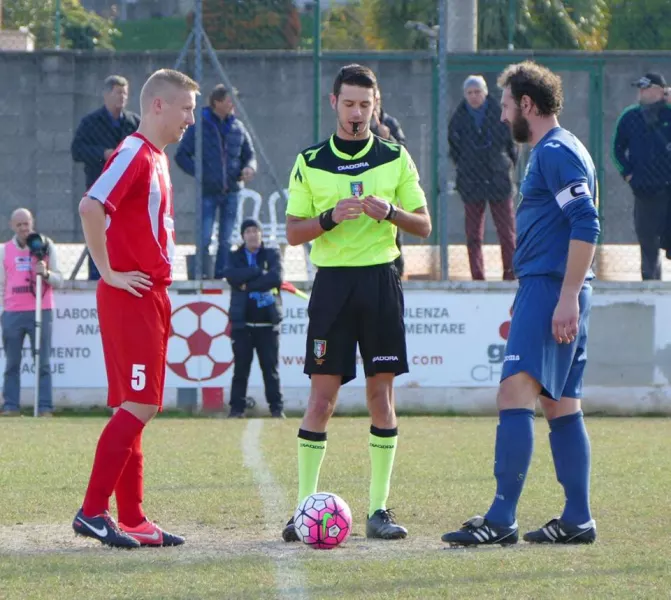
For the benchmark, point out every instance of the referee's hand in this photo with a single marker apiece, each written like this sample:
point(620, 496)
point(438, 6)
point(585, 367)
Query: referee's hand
point(131, 281)
point(347, 209)
point(376, 208)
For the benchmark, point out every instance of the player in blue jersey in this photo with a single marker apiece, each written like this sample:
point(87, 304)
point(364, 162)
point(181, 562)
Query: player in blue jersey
point(557, 230)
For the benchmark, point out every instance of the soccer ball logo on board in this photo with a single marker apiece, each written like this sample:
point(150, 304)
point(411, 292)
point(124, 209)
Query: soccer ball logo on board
point(199, 347)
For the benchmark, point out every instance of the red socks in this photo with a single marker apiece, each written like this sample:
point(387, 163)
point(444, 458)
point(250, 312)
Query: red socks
point(114, 449)
point(130, 486)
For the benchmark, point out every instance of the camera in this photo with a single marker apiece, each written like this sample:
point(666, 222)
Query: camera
point(37, 245)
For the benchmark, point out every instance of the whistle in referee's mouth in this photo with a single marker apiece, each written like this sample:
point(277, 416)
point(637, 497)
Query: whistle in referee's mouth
point(355, 128)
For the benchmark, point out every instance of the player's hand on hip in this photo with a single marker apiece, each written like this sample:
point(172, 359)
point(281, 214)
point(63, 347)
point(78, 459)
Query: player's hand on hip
point(131, 281)
point(565, 319)
point(347, 209)
point(376, 208)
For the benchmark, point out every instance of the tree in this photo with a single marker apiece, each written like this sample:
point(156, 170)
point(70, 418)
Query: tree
point(640, 25)
point(384, 23)
point(343, 28)
point(80, 29)
point(252, 24)
point(544, 24)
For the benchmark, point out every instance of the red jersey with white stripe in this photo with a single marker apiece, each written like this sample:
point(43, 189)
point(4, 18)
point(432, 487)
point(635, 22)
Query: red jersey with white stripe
point(136, 192)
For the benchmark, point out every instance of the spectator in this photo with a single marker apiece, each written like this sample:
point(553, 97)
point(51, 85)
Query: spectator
point(254, 273)
point(642, 154)
point(228, 163)
point(100, 132)
point(484, 154)
point(384, 125)
point(388, 128)
point(18, 270)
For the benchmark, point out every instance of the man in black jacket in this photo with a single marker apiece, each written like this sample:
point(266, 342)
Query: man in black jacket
point(254, 273)
point(484, 155)
point(100, 132)
point(642, 155)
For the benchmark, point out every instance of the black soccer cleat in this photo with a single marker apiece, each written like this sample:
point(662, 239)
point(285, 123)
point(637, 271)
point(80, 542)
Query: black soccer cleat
point(478, 531)
point(557, 531)
point(382, 525)
point(104, 529)
point(289, 532)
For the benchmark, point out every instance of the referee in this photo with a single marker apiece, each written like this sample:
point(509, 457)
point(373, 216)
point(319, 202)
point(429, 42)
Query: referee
point(349, 194)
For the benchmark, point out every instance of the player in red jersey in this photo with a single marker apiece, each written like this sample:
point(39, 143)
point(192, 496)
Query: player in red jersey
point(127, 218)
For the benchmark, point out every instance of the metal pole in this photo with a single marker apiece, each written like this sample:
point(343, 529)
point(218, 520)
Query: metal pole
point(317, 69)
point(38, 339)
point(184, 51)
point(198, 229)
point(58, 24)
point(442, 137)
point(511, 24)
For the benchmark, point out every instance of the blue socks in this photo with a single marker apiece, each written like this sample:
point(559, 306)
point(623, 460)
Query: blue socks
point(572, 458)
point(514, 447)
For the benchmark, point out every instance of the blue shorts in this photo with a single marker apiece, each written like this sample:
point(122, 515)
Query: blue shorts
point(531, 347)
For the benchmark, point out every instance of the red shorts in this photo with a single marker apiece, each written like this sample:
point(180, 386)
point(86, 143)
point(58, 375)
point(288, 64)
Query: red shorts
point(134, 334)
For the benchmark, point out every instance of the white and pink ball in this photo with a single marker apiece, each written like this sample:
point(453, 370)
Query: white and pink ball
point(323, 521)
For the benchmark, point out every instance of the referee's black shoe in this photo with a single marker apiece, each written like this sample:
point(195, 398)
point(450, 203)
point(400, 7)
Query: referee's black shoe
point(289, 532)
point(382, 524)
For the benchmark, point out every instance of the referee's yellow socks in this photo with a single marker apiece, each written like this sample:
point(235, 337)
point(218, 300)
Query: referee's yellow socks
point(382, 448)
point(311, 450)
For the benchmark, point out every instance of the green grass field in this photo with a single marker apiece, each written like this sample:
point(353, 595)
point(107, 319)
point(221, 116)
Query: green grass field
point(229, 486)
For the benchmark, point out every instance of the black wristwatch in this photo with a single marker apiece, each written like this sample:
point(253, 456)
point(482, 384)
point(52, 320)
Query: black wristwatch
point(391, 215)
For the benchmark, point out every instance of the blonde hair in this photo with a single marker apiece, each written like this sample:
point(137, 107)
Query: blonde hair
point(162, 78)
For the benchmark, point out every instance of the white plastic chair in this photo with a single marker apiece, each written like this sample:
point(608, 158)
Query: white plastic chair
point(278, 231)
point(245, 196)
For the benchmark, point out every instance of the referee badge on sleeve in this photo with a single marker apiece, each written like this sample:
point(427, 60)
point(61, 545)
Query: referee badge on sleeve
point(357, 188)
point(319, 351)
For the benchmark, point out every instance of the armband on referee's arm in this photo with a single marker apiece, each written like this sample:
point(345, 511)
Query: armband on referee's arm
point(326, 221)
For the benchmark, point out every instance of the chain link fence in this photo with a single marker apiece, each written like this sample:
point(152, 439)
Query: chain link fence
point(277, 61)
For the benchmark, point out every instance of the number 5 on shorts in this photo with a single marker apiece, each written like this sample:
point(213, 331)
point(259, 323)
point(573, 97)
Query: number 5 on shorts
point(138, 379)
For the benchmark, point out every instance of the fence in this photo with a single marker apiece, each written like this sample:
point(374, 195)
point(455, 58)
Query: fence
point(283, 99)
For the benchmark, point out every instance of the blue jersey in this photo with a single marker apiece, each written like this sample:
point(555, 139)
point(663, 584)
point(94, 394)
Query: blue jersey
point(558, 204)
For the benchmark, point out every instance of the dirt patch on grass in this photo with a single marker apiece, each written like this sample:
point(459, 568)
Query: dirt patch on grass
point(205, 542)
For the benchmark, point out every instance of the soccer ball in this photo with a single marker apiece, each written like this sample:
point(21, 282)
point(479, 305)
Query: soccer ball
point(199, 347)
point(323, 521)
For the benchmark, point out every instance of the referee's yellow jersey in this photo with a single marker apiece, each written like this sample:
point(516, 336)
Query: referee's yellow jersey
point(322, 175)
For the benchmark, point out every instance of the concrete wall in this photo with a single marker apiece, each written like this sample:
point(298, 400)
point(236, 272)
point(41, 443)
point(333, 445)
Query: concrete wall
point(50, 92)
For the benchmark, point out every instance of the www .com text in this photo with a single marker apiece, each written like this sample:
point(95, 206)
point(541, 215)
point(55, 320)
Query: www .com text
point(417, 360)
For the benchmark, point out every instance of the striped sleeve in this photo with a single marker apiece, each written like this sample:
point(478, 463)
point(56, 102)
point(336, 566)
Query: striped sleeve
point(300, 197)
point(121, 172)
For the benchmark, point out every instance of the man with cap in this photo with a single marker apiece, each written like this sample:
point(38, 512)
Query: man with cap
point(255, 274)
point(484, 155)
point(642, 155)
point(229, 161)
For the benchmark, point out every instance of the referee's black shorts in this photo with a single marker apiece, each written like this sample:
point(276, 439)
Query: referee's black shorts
point(351, 305)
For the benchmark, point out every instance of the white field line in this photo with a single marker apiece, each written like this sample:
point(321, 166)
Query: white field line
point(290, 581)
